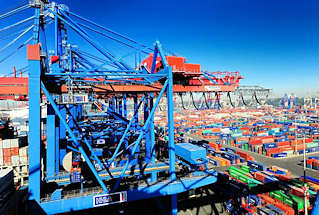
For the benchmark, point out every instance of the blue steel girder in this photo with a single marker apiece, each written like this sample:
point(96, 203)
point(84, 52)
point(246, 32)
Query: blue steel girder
point(125, 133)
point(145, 127)
point(170, 114)
point(209, 77)
point(64, 178)
point(142, 192)
point(83, 138)
point(77, 144)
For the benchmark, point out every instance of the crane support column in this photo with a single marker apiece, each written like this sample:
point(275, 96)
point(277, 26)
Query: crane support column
point(147, 132)
point(170, 118)
point(152, 136)
point(71, 115)
point(51, 141)
point(171, 144)
point(135, 109)
point(125, 105)
point(57, 144)
point(62, 133)
point(33, 56)
point(120, 107)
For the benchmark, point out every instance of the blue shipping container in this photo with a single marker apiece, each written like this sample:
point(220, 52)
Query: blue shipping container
point(314, 149)
point(270, 145)
point(279, 155)
point(256, 165)
point(275, 209)
point(230, 150)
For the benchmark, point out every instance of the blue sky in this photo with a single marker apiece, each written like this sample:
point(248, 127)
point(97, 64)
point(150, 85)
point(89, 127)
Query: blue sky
point(274, 44)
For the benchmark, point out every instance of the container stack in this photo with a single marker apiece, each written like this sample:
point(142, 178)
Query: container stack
point(287, 200)
point(258, 131)
point(11, 154)
point(313, 162)
point(15, 157)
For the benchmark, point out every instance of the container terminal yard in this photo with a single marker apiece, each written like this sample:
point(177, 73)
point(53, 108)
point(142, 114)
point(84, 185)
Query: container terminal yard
point(87, 129)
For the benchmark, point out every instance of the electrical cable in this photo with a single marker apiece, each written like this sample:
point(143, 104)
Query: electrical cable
point(108, 30)
point(16, 24)
point(231, 102)
point(192, 97)
point(14, 11)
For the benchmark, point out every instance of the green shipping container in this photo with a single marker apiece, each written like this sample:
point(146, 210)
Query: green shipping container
point(245, 168)
point(234, 169)
point(237, 135)
point(275, 195)
point(240, 175)
point(276, 129)
point(299, 201)
point(288, 201)
point(207, 132)
point(314, 144)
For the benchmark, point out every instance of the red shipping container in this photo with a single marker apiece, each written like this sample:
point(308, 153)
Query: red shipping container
point(299, 147)
point(268, 140)
point(260, 176)
point(267, 198)
point(7, 160)
point(297, 191)
point(309, 161)
point(308, 140)
point(315, 163)
point(283, 143)
point(284, 177)
point(6, 152)
point(255, 142)
point(288, 210)
point(288, 148)
point(214, 146)
point(192, 68)
point(275, 150)
point(14, 151)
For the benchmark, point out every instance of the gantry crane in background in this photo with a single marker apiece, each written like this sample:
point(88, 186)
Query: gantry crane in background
point(192, 90)
point(200, 89)
point(289, 101)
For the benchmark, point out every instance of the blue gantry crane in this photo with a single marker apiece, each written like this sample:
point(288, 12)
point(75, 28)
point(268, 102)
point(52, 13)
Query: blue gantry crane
point(111, 148)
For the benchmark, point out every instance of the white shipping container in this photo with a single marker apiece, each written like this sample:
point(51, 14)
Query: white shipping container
point(1, 161)
point(1, 153)
point(0, 144)
point(14, 143)
point(24, 159)
point(15, 159)
point(23, 151)
point(22, 128)
point(24, 169)
point(6, 144)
